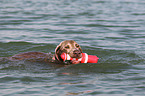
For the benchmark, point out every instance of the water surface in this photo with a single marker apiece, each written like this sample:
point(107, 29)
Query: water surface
point(114, 30)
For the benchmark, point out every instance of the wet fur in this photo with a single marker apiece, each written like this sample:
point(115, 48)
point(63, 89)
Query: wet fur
point(48, 58)
point(62, 48)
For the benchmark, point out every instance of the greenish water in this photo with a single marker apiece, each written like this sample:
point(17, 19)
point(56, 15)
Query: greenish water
point(114, 30)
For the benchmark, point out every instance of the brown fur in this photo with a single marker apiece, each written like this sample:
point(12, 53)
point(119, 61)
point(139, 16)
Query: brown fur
point(69, 46)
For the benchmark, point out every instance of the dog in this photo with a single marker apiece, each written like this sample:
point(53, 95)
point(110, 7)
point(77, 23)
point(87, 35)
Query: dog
point(68, 46)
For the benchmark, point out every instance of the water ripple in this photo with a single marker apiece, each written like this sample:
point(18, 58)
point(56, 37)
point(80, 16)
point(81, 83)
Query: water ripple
point(111, 29)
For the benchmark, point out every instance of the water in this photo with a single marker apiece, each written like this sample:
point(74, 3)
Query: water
point(114, 30)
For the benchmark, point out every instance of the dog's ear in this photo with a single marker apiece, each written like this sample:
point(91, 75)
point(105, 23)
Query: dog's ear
point(57, 49)
point(58, 53)
point(81, 50)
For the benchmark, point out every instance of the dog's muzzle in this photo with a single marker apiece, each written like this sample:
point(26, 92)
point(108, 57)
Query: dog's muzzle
point(77, 54)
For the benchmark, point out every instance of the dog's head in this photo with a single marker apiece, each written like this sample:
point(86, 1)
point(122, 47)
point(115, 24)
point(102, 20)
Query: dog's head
point(70, 47)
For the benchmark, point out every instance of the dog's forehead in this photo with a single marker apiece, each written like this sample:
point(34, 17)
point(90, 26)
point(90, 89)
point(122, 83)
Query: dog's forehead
point(68, 42)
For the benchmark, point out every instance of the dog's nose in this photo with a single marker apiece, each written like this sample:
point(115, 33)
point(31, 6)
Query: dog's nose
point(76, 52)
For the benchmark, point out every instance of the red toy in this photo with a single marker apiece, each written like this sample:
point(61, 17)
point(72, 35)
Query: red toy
point(85, 58)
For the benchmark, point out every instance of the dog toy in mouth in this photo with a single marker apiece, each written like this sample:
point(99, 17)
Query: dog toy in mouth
point(84, 59)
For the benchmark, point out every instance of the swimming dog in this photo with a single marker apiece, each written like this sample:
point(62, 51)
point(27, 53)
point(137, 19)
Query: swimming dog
point(70, 47)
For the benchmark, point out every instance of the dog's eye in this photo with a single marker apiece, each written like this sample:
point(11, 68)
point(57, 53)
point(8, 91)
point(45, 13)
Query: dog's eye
point(77, 45)
point(67, 47)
